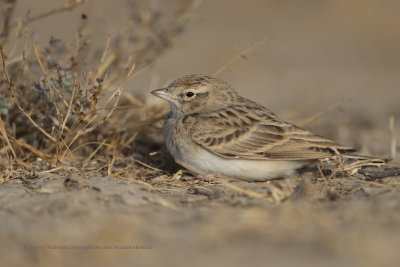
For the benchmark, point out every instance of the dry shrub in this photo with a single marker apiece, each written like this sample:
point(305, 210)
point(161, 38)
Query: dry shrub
point(61, 104)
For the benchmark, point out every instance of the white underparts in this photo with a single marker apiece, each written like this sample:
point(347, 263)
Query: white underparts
point(205, 162)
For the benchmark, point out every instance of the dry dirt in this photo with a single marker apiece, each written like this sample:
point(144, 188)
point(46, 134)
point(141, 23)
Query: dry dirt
point(313, 55)
point(68, 217)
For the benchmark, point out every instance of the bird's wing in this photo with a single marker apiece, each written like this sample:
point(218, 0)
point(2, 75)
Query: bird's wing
point(253, 132)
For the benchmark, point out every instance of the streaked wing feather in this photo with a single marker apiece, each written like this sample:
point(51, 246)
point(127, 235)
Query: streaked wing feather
point(253, 132)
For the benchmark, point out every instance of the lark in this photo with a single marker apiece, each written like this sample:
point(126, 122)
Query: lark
point(211, 129)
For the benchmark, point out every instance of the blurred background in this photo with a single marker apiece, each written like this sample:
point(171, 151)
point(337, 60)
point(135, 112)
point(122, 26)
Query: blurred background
point(300, 56)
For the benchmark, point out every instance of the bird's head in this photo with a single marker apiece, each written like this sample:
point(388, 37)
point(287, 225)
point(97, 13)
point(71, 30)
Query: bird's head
point(197, 93)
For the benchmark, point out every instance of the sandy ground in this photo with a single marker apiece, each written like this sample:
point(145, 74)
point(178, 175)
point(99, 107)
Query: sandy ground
point(314, 55)
point(72, 218)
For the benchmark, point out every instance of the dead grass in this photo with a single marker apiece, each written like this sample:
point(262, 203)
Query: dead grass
point(67, 122)
point(60, 106)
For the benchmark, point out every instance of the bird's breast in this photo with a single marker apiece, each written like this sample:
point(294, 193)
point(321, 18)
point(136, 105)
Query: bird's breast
point(179, 143)
point(175, 139)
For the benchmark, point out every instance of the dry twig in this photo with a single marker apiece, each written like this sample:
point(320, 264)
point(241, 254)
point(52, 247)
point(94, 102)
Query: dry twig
point(57, 10)
point(242, 54)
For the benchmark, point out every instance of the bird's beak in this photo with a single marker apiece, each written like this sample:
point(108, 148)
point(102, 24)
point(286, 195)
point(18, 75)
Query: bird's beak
point(162, 93)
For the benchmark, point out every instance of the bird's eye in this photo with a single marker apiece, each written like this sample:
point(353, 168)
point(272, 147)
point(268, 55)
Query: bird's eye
point(189, 94)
